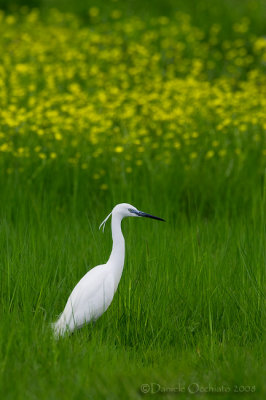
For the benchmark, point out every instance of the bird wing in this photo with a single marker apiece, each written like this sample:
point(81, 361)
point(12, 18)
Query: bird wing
point(89, 299)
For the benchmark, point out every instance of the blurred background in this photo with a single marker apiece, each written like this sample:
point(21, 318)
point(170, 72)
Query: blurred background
point(203, 12)
point(102, 97)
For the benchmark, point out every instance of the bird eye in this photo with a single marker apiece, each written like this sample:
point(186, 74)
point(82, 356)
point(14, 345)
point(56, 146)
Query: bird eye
point(131, 210)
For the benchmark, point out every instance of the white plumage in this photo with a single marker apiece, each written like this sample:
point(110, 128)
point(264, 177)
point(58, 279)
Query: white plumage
point(95, 291)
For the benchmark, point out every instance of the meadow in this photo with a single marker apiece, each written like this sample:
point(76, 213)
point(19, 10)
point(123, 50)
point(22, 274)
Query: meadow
point(162, 107)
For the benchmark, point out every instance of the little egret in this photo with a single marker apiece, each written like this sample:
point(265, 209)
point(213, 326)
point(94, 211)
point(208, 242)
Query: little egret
point(95, 291)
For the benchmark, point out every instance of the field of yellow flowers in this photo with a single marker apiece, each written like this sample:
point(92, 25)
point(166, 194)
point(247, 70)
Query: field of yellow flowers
point(125, 94)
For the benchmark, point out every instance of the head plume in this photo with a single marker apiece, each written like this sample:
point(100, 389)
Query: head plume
point(104, 221)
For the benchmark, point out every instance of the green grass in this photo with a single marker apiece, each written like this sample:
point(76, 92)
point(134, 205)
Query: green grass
point(189, 308)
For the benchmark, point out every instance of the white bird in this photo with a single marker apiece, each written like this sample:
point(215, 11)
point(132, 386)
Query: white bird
point(95, 291)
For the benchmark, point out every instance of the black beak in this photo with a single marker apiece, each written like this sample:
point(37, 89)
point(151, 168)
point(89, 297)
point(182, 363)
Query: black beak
point(143, 214)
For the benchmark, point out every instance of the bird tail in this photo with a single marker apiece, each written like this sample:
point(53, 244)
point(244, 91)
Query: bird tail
point(58, 327)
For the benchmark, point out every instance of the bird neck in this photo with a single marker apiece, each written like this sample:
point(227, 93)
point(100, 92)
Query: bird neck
point(117, 257)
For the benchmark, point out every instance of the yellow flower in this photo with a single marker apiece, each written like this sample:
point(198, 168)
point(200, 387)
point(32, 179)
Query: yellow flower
point(119, 149)
point(222, 152)
point(116, 14)
point(104, 186)
point(4, 147)
point(58, 136)
point(94, 11)
point(243, 128)
point(209, 154)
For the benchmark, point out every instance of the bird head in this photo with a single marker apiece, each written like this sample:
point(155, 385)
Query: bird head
point(127, 210)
